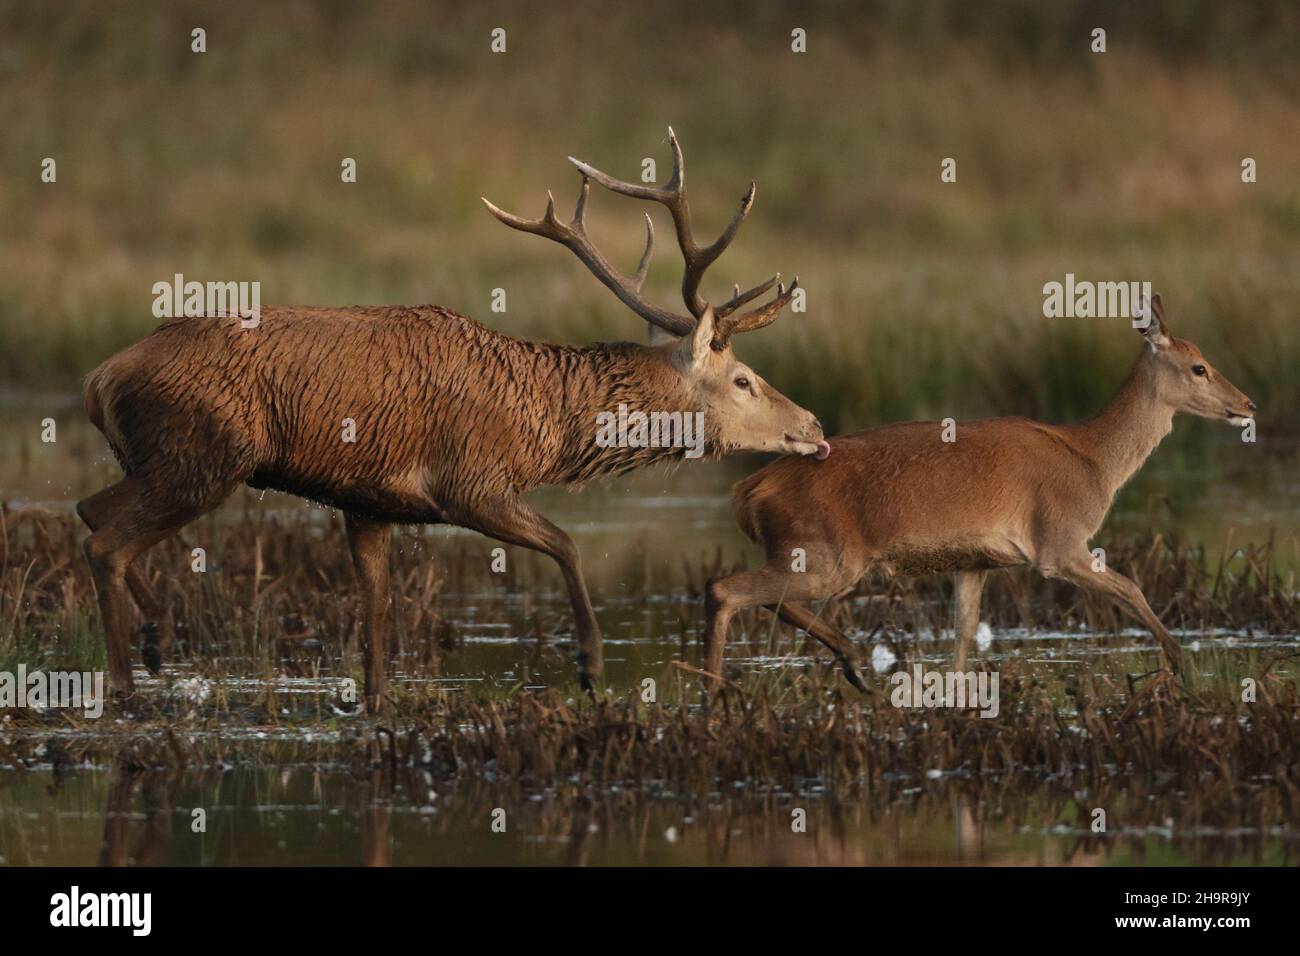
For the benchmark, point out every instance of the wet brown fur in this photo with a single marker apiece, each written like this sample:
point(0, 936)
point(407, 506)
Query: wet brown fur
point(448, 414)
point(453, 423)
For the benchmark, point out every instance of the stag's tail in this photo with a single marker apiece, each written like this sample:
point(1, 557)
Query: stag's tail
point(95, 397)
point(90, 396)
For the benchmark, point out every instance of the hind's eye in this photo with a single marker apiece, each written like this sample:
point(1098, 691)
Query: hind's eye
point(742, 382)
point(1198, 369)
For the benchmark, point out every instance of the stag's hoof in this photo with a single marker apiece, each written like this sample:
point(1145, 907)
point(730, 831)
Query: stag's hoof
point(124, 703)
point(151, 647)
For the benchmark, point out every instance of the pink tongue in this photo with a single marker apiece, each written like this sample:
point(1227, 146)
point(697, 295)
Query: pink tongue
point(823, 451)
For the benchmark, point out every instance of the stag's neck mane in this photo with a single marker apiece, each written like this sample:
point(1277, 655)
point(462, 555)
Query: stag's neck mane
point(1121, 437)
point(600, 381)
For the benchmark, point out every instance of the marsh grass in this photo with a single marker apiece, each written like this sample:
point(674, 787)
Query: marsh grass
point(278, 606)
point(278, 596)
point(268, 633)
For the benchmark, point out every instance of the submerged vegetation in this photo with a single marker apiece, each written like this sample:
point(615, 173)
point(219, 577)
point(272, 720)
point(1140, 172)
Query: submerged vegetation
point(1213, 779)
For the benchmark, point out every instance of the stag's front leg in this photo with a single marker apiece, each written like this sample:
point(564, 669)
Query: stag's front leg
point(369, 542)
point(514, 522)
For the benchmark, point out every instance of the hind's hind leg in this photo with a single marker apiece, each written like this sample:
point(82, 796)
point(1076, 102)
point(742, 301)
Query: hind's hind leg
point(97, 511)
point(802, 616)
point(139, 521)
point(776, 583)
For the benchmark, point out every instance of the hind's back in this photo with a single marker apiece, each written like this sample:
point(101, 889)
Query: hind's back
point(903, 493)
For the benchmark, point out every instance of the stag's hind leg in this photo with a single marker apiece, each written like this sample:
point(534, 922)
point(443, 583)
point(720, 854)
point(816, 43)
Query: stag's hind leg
point(159, 630)
point(145, 514)
point(369, 542)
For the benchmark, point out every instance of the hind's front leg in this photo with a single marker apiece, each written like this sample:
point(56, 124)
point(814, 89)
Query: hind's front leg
point(1080, 569)
point(968, 588)
point(369, 542)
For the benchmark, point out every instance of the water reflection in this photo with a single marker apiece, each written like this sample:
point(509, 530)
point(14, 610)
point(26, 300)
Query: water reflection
point(333, 816)
point(136, 839)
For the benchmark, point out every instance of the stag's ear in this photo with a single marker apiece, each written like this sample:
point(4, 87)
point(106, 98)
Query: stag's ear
point(1150, 322)
point(695, 349)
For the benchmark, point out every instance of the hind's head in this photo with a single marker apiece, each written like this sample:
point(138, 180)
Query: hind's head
point(1184, 379)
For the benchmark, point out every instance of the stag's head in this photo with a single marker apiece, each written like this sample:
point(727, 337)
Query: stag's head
point(743, 412)
point(1184, 379)
point(746, 413)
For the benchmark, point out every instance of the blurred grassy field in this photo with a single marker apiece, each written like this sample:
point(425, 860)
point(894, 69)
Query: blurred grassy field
point(924, 298)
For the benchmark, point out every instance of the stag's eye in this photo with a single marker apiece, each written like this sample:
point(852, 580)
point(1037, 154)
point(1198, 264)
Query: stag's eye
point(1198, 369)
point(742, 382)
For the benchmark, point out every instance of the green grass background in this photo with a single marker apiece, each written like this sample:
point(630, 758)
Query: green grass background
point(924, 298)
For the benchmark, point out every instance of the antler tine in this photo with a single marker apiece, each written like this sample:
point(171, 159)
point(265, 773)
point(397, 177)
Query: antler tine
point(580, 208)
point(579, 225)
point(672, 195)
point(740, 298)
point(643, 266)
point(756, 319)
point(574, 237)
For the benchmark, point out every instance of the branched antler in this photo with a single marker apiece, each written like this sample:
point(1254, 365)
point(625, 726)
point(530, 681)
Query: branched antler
point(697, 258)
point(573, 235)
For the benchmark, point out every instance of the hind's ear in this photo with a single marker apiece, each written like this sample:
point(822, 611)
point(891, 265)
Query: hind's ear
point(1150, 322)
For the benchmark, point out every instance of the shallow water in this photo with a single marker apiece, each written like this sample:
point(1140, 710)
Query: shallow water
point(299, 806)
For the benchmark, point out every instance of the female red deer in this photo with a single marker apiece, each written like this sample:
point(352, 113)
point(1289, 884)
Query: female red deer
point(453, 421)
point(1006, 492)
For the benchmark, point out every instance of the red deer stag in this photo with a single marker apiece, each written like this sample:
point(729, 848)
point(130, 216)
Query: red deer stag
point(453, 421)
point(1006, 492)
